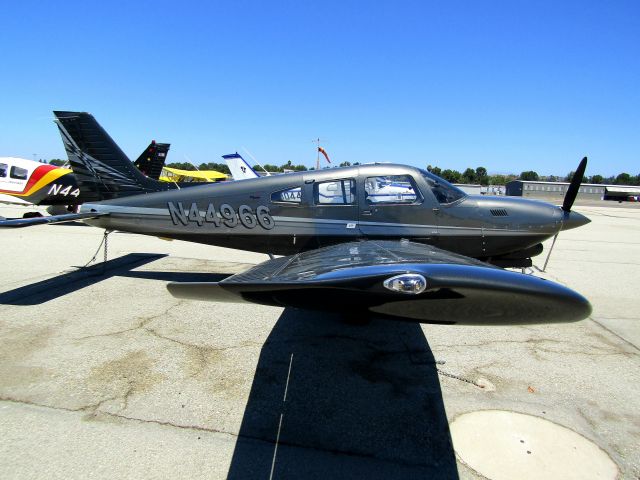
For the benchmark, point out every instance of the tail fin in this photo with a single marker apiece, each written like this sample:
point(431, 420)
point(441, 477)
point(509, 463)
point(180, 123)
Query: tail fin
point(101, 168)
point(151, 161)
point(240, 169)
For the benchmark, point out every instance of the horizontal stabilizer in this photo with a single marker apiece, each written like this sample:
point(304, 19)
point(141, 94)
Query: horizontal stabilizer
point(401, 280)
point(30, 222)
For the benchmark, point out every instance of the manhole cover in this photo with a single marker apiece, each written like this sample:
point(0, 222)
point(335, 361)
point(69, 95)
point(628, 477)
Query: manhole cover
point(507, 445)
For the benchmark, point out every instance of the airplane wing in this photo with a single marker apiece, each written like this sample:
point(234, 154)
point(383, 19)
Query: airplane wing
point(398, 279)
point(29, 222)
point(206, 175)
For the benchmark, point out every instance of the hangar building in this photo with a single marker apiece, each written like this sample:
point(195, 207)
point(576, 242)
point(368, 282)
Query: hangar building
point(555, 191)
point(469, 189)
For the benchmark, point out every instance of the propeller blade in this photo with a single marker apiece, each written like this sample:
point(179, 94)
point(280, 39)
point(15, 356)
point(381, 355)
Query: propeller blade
point(572, 191)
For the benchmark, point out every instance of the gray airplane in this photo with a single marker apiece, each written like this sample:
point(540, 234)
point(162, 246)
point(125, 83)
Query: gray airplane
point(392, 240)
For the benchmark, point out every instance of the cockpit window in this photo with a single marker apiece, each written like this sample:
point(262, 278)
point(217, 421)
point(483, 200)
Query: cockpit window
point(390, 189)
point(3, 170)
point(19, 173)
point(335, 192)
point(442, 190)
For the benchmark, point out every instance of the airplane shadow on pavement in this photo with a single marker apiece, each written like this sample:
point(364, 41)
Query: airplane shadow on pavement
point(45, 290)
point(336, 400)
point(68, 282)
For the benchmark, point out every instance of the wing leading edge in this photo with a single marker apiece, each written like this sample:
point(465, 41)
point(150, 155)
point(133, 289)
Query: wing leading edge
point(30, 222)
point(434, 286)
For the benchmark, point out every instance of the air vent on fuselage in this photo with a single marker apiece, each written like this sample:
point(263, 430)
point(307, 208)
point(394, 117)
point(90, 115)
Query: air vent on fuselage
point(498, 212)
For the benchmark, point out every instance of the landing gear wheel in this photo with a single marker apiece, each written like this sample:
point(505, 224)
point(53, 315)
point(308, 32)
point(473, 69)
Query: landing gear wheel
point(32, 215)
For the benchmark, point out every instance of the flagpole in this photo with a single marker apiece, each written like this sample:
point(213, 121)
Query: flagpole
point(318, 157)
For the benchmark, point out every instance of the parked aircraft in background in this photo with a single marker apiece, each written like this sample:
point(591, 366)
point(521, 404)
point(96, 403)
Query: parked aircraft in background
point(27, 182)
point(152, 160)
point(198, 176)
point(429, 254)
point(239, 168)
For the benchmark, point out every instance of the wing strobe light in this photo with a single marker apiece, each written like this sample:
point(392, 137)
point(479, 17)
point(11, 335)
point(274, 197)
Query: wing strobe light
point(409, 283)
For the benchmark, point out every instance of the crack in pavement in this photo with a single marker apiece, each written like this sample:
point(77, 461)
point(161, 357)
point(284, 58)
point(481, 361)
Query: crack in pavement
point(615, 334)
point(536, 346)
point(197, 428)
point(141, 324)
point(202, 352)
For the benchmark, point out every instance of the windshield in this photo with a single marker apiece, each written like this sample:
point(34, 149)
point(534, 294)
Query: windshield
point(443, 190)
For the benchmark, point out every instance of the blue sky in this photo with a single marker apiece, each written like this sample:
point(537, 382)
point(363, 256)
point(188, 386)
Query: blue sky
point(510, 86)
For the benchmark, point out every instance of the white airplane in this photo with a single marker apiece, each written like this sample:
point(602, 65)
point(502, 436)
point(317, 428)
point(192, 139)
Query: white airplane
point(27, 182)
point(240, 169)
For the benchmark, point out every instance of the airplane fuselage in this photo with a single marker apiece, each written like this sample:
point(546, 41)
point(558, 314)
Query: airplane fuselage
point(285, 214)
point(26, 181)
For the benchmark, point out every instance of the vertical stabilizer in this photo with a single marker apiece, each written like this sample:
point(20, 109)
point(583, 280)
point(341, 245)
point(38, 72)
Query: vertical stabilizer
point(101, 168)
point(152, 160)
point(240, 169)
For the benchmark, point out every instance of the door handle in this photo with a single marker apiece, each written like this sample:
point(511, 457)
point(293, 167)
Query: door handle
point(366, 212)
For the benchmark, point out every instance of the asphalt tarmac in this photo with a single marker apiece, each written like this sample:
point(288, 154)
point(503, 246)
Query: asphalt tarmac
point(104, 375)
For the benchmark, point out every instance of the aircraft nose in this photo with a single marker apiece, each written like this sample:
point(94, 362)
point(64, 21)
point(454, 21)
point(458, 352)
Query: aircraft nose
point(573, 220)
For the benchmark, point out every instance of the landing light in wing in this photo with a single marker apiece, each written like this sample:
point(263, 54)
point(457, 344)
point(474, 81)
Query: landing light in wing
point(409, 283)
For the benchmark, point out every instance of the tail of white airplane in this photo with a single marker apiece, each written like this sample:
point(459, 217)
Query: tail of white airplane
point(240, 169)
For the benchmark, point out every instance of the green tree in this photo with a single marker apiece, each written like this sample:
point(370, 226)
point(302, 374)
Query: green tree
point(345, 164)
point(530, 176)
point(218, 167)
point(469, 176)
point(452, 176)
point(570, 175)
point(58, 162)
point(623, 179)
point(181, 166)
point(497, 179)
point(481, 172)
point(481, 176)
point(596, 179)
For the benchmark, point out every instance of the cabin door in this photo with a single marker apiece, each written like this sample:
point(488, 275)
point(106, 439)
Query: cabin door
point(391, 206)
